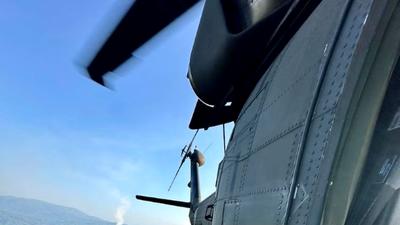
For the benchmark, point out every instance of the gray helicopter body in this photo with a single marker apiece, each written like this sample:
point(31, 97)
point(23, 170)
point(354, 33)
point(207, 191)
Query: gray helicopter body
point(301, 149)
point(317, 140)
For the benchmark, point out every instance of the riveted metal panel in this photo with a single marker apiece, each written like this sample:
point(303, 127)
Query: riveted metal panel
point(307, 205)
point(309, 170)
point(260, 161)
point(305, 50)
point(251, 108)
point(268, 165)
point(256, 209)
point(242, 143)
point(291, 89)
point(227, 179)
point(343, 56)
point(231, 209)
point(288, 111)
point(250, 114)
point(218, 213)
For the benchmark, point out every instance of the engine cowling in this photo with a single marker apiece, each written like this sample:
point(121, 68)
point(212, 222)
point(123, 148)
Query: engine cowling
point(230, 45)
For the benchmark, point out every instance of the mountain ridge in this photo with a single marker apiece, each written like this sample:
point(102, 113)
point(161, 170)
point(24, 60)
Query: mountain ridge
point(24, 211)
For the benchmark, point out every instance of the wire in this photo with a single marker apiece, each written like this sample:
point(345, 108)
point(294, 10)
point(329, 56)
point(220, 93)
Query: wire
point(208, 147)
point(223, 135)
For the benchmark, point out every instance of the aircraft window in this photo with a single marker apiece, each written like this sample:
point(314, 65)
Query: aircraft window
point(209, 213)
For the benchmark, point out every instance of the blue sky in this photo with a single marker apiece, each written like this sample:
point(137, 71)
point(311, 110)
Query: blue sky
point(67, 140)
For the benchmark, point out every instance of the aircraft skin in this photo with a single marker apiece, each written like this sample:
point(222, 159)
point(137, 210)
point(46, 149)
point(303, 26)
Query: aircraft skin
point(318, 139)
point(312, 144)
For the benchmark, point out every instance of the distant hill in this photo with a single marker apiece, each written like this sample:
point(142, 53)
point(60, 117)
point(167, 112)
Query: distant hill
point(20, 211)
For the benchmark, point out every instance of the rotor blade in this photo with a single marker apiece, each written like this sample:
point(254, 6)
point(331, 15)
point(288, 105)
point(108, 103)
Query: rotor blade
point(164, 201)
point(176, 174)
point(191, 142)
point(143, 20)
point(183, 150)
point(183, 159)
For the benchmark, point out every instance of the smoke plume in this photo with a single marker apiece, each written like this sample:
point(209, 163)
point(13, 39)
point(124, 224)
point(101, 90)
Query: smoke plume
point(124, 205)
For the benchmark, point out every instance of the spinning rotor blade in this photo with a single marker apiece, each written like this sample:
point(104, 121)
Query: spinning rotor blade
point(143, 20)
point(183, 159)
point(164, 201)
point(183, 151)
point(179, 168)
point(191, 142)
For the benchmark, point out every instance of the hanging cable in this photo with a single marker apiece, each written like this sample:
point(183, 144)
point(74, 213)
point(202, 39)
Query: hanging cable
point(223, 135)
